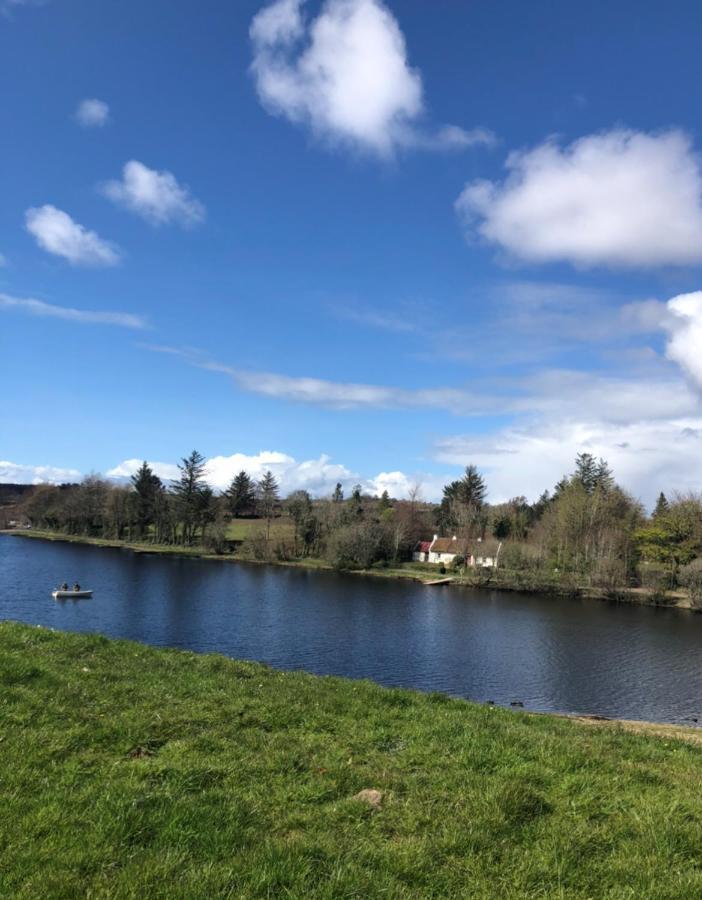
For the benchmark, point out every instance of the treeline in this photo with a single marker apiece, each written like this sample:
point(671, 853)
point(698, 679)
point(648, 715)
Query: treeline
point(586, 531)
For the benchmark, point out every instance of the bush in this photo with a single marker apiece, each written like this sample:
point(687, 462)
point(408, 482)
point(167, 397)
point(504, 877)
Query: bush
point(609, 574)
point(256, 547)
point(458, 562)
point(690, 577)
point(655, 580)
point(358, 546)
point(442, 569)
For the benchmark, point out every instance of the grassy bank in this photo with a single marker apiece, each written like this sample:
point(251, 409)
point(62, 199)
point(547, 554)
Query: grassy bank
point(128, 771)
point(499, 579)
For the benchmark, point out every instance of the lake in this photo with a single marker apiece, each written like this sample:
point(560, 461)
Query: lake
point(551, 654)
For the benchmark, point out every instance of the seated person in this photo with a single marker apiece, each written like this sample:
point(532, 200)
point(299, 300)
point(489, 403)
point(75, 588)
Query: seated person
point(76, 586)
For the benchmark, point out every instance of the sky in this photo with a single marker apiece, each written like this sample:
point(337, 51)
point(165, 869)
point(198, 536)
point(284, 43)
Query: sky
point(352, 241)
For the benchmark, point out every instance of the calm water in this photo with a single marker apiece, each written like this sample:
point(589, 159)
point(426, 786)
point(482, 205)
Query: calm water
point(552, 655)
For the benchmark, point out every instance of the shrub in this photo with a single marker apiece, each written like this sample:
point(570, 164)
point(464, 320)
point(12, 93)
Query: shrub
point(656, 580)
point(690, 577)
point(609, 574)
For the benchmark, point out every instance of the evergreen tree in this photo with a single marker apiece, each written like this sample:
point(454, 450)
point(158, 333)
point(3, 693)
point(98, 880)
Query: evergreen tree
point(593, 474)
point(384, 501)
point(241, 495)
point(147, 487)
point(186, 492)
point(662, 506)
point(268, 498)
point(356, 502)
point(462, 504)
point(338, 494)
point(472, 489)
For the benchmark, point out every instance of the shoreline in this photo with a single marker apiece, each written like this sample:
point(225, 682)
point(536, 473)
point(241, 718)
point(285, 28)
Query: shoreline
point(690, 733)
point(149, 771)
point(628, 596)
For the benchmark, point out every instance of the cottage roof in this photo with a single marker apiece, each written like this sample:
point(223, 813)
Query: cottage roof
point(423, 546)
point(449, 545)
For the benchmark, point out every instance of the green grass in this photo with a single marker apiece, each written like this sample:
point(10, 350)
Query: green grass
point(282, 528)
point(130, 772)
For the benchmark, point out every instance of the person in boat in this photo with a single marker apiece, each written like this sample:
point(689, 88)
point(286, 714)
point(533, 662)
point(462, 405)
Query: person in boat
point(76, 586)
point(64, 587)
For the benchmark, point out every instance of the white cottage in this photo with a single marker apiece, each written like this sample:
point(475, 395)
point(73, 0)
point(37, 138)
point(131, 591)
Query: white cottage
point(444, 550)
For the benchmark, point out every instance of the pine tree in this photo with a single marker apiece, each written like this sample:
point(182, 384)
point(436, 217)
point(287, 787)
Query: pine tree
point(268, 498)
point(241, 495)
point(662, 506)
point(384, 501)
point(356, 502)
point(147, 487)
point(187, 492)
point(338, 495)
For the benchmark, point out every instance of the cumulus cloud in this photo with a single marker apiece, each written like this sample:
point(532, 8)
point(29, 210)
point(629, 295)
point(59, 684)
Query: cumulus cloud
point(56, 232)
point(155, 196)
point(129, 467)
point(647, 456)
point(620, 198)
point(15, 473)
point(82, 316)
point(684, 325)
point(92, 113)
point(346, 75)
point(317, 476)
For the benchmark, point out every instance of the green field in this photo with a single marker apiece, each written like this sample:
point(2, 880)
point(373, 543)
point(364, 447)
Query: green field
point(240, 529)
point(127, 771)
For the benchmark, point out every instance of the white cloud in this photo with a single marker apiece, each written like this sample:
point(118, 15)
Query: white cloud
point(336, 394)
point(92, 113)
point(15, 473)
point(620, 198)
point(647, 456)
point(129, 467)
point(317, 476)
point(155, 196)
point(84, 316)
point(345, 75)
point(57, 233)
point(684, 325)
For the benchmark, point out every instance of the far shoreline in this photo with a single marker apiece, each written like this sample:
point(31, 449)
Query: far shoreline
point(627, 596)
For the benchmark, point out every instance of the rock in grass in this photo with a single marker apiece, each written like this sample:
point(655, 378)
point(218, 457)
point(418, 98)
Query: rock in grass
point(373, 798)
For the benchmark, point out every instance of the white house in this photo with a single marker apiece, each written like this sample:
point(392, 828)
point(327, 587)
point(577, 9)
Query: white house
point(445, 550)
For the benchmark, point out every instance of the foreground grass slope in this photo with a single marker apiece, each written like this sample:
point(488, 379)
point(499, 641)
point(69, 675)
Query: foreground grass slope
point(127, 771)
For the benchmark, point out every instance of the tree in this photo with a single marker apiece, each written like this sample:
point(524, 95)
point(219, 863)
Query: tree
point(593, 473)
point(299, 506)
point(338, 494)
point(356, 502)
point(268, 498)
point(462, 504)
point(147, 487)
point(241, 495)
point(187, 491)
point(662, 506)
point(384, 502)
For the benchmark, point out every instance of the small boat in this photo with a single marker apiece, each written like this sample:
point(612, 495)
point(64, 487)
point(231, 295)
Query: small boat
point(71, 595)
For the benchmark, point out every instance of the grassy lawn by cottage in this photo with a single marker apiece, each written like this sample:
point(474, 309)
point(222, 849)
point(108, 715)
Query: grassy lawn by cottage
point(282, 528)
point(128, 771)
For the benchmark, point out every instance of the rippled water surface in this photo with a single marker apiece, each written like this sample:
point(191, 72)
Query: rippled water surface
point(549, 654)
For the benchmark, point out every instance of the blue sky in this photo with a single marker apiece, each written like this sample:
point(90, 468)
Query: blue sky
point(352, 241)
